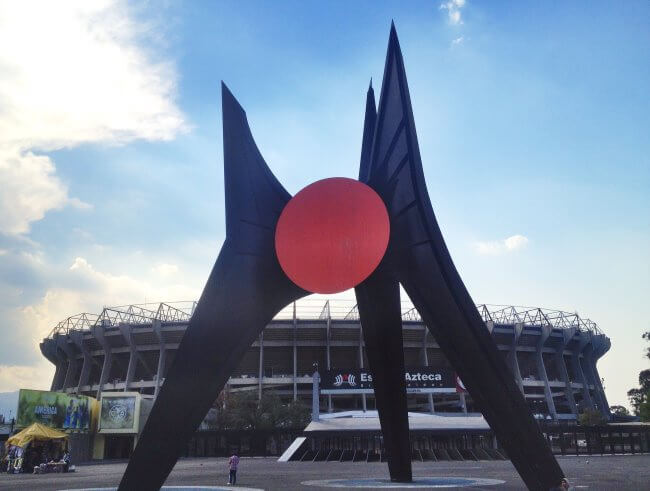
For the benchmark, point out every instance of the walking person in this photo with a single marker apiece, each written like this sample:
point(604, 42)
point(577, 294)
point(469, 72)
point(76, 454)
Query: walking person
point(233, 462)
point(11, 459)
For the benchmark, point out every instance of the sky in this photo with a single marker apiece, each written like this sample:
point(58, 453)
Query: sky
point(532, 121)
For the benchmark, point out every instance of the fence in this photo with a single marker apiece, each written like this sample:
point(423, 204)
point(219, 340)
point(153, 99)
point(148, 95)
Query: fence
point(563, 440)
point(590, 440)
point(253, 443)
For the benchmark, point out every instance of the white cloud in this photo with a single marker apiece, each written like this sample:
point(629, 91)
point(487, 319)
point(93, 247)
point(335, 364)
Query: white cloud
point(515, 242)
point(87, 290)
point(453, 8)
point(165, 270)
point(75, 73)
point(108, 289)
point(39, 377)
point(458, 41)
point(510, 244)
point(29, 188)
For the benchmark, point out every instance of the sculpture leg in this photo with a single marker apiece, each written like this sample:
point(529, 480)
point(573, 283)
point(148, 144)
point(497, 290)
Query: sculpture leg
point(241, 297)
point(378, 301)
point(472, 352)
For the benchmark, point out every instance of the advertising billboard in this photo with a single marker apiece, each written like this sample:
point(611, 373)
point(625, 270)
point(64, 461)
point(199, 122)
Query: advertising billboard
point(55, 409)
point(119, 413)
point(425, 380)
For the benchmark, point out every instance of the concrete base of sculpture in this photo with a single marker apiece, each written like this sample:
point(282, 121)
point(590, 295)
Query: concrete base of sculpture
point(418, 482)
point(178, 488)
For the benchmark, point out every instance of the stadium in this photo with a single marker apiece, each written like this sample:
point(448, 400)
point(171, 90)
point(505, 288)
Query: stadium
point(552, 355)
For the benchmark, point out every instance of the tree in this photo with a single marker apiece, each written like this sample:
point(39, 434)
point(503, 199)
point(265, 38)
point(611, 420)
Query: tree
point(640, 397)
point(591, 417)
point(298, 415)
point(644, 410)
point(637, 398)
point(243, 411)
point(619, 410)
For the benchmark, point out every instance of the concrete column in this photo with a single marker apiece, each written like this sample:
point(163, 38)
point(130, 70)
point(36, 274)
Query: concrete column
point(260, 375)
point(125, 329)
point(567, 335)
point(599, 391)
point(577, 370)
point(541, 370)
point(600, 346)
point(315, 400)
point(425, 360)
point(62, 344)
point(328, 355)
point(594, 379)
point(512, 356)
point(295, 355)
point(106, 370)
point(51, 352)
point(162, 357)
point(134, 356)
point(363, 396)
point(490, 326)
point(98, 334)
point(77, 338)
point(59, 376)
point(130, 371)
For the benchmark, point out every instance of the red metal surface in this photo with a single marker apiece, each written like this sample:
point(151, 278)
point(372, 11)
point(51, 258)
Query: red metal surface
point(332, 235)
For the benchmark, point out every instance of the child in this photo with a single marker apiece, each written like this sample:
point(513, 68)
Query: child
point(233, 462)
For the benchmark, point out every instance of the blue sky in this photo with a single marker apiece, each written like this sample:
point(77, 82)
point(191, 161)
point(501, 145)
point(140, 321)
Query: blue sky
point(532, 120)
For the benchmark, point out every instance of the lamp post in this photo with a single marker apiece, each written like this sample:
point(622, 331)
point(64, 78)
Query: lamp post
point(315, 394)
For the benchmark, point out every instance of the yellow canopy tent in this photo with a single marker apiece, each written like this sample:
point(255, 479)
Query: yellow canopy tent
point(36, 432)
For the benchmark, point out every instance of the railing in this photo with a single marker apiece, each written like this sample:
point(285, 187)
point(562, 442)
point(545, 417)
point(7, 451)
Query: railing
point(318, 308)
point(129, 314)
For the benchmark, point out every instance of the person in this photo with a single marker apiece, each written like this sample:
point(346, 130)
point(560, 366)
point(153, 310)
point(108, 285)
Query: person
point(66, 460)
point(74, 421)
point(18, 463)
point(11, 456)
point(233, 462)
point(45, 454)
point(563, 486)
point(68, 415)
point(84, 421)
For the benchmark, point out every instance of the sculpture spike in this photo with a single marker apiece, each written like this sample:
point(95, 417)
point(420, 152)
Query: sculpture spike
point(422, 263)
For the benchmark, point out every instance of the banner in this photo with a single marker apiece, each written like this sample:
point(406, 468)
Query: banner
point(119, 413)
point(424, 380)
point(55, 409)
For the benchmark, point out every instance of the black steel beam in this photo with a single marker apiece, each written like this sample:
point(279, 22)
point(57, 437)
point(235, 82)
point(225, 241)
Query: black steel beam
point(422, 263)
point(243, 293)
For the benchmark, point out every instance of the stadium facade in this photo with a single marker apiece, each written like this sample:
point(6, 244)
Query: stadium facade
point(552, 354)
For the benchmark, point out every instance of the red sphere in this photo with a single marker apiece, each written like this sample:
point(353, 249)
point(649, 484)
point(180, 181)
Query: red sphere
point(332, 235)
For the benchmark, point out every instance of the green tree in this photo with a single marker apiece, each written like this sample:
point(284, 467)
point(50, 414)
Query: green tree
point(243, 411)
point(640, 396)
point(619, 410)
point(298, 415)
point(591, 417)
point(644, 410)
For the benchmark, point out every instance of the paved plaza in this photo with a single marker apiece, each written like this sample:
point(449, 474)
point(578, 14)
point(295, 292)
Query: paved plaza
point(629, 472)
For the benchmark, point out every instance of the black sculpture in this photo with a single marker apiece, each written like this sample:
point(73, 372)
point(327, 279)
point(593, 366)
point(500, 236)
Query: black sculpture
point(248, 286)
